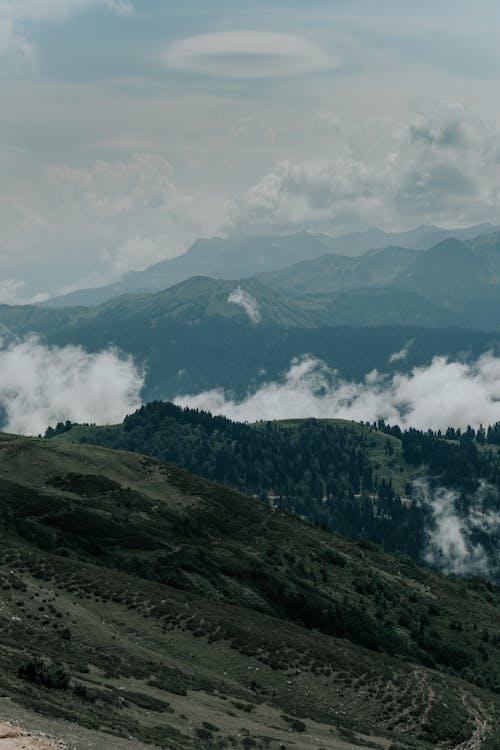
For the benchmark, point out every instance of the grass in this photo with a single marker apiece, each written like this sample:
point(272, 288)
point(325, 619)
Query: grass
point(186, 615)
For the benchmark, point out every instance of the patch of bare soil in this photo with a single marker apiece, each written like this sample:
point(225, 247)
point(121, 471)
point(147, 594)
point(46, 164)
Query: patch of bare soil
point(14, 738)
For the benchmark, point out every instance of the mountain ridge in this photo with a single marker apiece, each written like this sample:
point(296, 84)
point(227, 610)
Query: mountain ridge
point(238, 258)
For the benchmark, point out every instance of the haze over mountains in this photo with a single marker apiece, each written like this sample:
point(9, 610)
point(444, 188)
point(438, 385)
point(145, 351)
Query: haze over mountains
point(452, 283)
point(391, 309)
point(239, 258)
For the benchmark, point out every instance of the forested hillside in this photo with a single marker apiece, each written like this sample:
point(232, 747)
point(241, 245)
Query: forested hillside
point(353, 479)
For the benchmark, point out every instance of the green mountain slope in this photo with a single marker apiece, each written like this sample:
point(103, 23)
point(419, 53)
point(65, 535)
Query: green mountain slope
point(333, 273)
point(451, 268)
point(248, 302)
point(190, 338)
point(201, 298)
point(350, 478)
point(385, 307)
point(139, 601)
point(460, 278)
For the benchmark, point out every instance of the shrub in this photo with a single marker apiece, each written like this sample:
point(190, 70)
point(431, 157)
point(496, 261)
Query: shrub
point(41, 673)
point(295, 724)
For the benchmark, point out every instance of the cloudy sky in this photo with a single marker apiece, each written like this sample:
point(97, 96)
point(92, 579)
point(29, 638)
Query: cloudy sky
point(130, 127)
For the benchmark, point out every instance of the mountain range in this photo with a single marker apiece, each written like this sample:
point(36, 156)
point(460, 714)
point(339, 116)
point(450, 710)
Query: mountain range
point(454, 283)
point(239, 258)
point(353, 313)
point(204, 352)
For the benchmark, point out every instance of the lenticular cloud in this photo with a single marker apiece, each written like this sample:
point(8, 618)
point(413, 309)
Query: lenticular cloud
point(436, 396)
point(41, 385)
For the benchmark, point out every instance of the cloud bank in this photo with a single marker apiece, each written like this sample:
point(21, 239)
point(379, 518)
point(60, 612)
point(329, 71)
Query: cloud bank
point(69, 226)
point(438, 396)
point(442, 167)
point(42, 385)
point(247, 54)
point(458, 541)
point(244, 299)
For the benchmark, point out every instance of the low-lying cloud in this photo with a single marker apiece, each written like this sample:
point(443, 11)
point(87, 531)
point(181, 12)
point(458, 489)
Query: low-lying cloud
point(461, 541)
point(247, 54)
point(402, 354)
point(244, 299)
point(42, 385)
point(442, 394)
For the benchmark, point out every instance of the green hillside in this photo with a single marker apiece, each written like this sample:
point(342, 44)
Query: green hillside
point(333, 273)
point(190, 338)
point(354, 479)
point(201, 299)
point(459, 278)
point(141, 602)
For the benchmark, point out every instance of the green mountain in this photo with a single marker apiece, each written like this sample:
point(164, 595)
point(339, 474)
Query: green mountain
point(354, 479)
point(333, 273)
point(238, 258)
point(142, 606)
point(462, 279)
point(191, 339)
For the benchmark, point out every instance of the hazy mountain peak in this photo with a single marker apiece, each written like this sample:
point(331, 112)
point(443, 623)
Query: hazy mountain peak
point(236, 258)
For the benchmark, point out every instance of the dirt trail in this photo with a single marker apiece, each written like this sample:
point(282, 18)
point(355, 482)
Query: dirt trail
point(14, 738)
point(421, 697)
point(480, 722)
point(429, 702)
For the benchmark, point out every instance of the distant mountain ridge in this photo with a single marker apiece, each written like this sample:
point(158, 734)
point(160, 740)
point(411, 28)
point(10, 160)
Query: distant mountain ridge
point(351, 313)
point(240, 258)
point(190, 339)
point(460, 278)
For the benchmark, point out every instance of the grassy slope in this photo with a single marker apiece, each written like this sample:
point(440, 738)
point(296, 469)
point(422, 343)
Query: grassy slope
point(212, 660)
point(386, 466)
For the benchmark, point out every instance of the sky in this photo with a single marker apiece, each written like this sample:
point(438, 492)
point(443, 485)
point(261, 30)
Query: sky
point(128, 128)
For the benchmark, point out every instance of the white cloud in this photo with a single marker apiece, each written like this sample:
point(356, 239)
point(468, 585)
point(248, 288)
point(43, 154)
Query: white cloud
point(452, 542)
point(244, 299)
point(41, 385)
point(248, 54)
point(402, 354)
point(11, 293)
point(15, 15)
point(438, 396)
point(441, 168)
